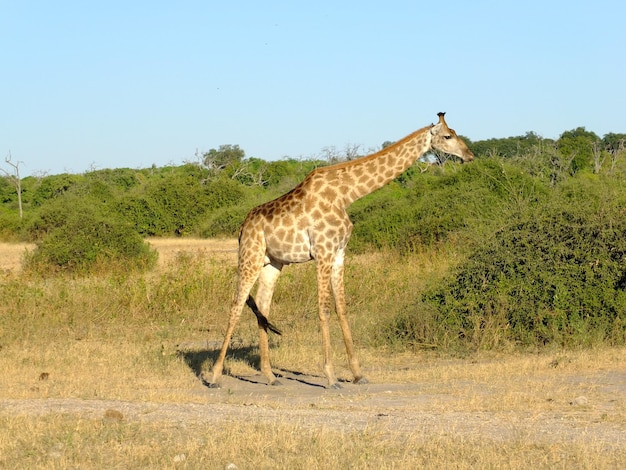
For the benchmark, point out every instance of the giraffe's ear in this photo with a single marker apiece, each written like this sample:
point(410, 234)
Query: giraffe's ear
point(436, 129)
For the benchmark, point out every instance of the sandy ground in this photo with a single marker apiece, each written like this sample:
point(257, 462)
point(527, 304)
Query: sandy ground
point(380, 408)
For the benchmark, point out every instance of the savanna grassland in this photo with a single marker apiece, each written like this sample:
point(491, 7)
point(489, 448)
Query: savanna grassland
point(487, 303)
point(102, 372)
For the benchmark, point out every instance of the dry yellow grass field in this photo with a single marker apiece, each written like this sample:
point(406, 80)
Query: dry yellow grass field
point(11, 255)
point(102, 373)
point(219, 248)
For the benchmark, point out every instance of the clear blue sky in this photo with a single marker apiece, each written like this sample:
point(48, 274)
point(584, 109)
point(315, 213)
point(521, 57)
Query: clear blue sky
point(95, 84)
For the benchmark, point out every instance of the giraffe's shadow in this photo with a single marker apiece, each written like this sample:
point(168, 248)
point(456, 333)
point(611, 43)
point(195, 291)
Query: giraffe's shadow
point(196, 356)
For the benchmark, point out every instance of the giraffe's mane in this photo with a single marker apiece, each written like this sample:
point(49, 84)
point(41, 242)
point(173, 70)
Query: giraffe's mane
point(374, 155)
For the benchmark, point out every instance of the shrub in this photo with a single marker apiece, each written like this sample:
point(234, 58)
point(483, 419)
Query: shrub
point(121, 179)
point(86, 242)
point(53, 216)
point(442, 203)
point(178, 204)
point(54, 186)
point(145, 215)
point(10, 224)
point(555, 275)
point(378, 218)
point(222, 193)
point(224, 222)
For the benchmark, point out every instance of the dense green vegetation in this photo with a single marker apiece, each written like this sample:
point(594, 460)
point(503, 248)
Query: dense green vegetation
point(539, 225)
point(553, 273)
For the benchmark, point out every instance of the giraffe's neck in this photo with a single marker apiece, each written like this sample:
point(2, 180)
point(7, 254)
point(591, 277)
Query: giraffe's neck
point(360, 177)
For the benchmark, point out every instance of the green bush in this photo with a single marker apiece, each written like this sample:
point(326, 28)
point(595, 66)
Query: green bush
point(222, 193)
point(85, 242)
point(10, 224)
point(178, 205)
point(553, 275)
point(120, 179)
point(54, 186)
point(378, 218)
point(52, 216)
point(145, 215)
point(469, 199)
point(224, 222)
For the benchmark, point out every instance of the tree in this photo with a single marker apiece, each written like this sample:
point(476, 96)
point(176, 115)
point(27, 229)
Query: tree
point(613, 142)
point(507, 147)
point(350, 152)
point(249, 172)
point(224, 156)
point(577, 145)
point(14, 177)
point(53, 186)
point(615, 146)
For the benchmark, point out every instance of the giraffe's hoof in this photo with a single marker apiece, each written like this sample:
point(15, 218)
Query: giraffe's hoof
point(361, 381)
point(208, 380)
point(276, 383)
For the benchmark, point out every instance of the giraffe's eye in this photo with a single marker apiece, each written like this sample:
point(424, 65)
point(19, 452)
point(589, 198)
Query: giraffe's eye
point(447, 137)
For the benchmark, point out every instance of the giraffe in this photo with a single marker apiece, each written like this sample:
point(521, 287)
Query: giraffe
point(311, 223)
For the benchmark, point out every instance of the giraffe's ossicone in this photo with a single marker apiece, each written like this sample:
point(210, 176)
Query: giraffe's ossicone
point(311, 223)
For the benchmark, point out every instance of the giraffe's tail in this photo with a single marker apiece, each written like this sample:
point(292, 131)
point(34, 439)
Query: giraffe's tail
point(262, 319)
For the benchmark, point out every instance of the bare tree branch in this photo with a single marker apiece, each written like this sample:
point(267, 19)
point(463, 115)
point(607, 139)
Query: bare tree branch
point(15, 179)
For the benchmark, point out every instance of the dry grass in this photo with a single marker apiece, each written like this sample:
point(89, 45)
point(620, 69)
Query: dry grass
point(69, 442)
point(11, 256)
point(170, 248)
point(121, 344)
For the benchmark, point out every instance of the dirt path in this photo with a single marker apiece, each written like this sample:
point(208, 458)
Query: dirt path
point(382, 408)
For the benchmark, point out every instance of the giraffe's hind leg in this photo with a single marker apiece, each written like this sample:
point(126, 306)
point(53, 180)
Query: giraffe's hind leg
point(267, 283)
point(249, 269)
point(324, 302)
point(336, 281)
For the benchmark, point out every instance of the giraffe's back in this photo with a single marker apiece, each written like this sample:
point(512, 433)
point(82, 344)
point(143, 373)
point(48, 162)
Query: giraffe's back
point(298, 224)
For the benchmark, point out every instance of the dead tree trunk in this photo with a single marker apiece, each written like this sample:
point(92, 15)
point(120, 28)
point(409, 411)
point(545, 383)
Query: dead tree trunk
point(16, 180)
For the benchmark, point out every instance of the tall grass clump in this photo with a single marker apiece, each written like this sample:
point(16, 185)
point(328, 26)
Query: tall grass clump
point(555, 274)
point(188, 287)
point(184, 297)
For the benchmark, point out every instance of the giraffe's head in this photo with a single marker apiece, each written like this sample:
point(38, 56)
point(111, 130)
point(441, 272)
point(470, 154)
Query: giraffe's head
point(446, 140)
